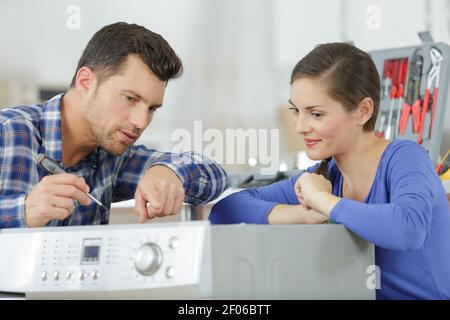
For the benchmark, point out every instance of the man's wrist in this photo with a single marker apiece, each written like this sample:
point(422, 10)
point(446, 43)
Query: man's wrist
point(22, 217)
point(165, 166)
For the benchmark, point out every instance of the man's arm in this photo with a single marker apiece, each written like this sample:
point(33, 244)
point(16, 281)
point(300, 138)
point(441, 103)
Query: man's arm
point(202, 179)
point(24, 200)
point(13, 174)
point(12, 213)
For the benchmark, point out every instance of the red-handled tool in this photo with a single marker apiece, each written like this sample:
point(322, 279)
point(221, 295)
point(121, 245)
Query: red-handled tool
point(401, 93)
point(394, 95)
point(387, 80)
point(412, 100)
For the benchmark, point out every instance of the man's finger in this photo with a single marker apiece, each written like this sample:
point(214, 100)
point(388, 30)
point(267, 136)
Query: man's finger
point(72, 192)
point(62, 202)
point(170, 200)
point(179, 201)
point(155, 198)
point(149, 211)
point(140, 206)
point(67, 178)
point(159, 211)
point(58, 213)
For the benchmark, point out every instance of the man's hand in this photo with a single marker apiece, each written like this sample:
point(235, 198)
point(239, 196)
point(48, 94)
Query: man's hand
point(53, 198)
point(161, 188)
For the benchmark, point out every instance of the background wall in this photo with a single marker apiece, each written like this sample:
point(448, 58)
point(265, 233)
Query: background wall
point(237, 54)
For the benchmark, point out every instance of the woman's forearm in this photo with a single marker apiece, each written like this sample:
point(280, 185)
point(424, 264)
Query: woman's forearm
point(324, 202)
point(294, 214)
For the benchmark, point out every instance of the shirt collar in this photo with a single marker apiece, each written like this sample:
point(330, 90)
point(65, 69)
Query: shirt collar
point(50, 127)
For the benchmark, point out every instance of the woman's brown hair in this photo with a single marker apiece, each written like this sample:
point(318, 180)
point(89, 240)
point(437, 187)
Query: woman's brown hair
point(350, 74)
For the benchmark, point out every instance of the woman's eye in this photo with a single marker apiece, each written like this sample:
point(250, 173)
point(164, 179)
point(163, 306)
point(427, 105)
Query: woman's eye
point(152, 110)
point(316, 115)
point(295, 110)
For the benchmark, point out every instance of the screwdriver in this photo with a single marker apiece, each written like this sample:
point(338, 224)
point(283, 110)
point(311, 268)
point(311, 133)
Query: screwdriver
point(53, 168)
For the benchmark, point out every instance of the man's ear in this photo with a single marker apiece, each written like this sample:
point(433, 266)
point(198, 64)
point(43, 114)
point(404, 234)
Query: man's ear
point(365, 110)
point(85, 80)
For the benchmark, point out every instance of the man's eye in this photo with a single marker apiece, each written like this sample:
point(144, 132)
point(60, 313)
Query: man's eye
point(152, 109)
point(131, 99)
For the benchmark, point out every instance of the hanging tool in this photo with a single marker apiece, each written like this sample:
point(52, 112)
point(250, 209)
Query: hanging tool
point(379, 131)
point(387, 81)
point(412, 100)
point(432, 82)
point(386, 84)
point(438, 57)
point(444, 165)
point(401, 93)
point(394, 94)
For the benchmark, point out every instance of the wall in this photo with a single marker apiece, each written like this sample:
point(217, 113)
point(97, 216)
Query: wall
point(238, 55)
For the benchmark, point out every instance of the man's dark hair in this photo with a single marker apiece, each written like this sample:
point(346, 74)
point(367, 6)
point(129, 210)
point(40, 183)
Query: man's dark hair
point(109, 47)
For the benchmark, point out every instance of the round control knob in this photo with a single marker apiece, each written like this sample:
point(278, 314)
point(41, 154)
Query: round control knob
point(148, 259)
point(95, 275)
point(170, 272)
point(173, 242)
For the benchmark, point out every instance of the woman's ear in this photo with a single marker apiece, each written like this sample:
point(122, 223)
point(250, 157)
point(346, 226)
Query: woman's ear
point(365, 110)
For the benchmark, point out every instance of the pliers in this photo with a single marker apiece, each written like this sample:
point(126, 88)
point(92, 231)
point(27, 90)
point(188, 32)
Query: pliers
point(432, 81)
point(412, 100)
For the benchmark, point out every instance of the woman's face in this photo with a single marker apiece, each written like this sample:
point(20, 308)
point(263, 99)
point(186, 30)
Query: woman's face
point(326, 127)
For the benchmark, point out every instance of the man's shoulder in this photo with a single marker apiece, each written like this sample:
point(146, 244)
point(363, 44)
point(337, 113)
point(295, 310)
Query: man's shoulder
point(18, 125)
point(21, 115)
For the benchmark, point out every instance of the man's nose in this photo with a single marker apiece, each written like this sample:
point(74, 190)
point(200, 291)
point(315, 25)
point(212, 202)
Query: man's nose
point(141, 118)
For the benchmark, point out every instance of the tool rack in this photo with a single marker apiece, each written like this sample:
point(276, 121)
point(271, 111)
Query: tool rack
point(414, 93)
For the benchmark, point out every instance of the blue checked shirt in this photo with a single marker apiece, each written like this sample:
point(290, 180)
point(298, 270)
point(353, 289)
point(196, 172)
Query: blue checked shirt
point(28, 131)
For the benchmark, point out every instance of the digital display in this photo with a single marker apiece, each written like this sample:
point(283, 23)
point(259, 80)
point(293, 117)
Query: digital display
point(91, 251)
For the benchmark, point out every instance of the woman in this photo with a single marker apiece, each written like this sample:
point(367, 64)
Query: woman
point(386, 192)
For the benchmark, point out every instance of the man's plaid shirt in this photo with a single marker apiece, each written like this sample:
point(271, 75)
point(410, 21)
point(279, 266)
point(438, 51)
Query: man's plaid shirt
point(28, 131)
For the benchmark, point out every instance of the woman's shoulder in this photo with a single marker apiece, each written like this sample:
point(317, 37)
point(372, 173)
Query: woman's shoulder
point(407, 156)
point(402, 143)
point(404, 149)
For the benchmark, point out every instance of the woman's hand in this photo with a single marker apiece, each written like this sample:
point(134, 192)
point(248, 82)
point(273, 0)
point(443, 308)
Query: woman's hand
point(299, 194)
point(315, 192)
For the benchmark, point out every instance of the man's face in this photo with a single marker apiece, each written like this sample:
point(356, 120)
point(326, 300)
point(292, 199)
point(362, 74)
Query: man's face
point(123, 105)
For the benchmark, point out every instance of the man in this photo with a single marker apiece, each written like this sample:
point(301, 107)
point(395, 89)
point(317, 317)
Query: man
point(90, 131)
